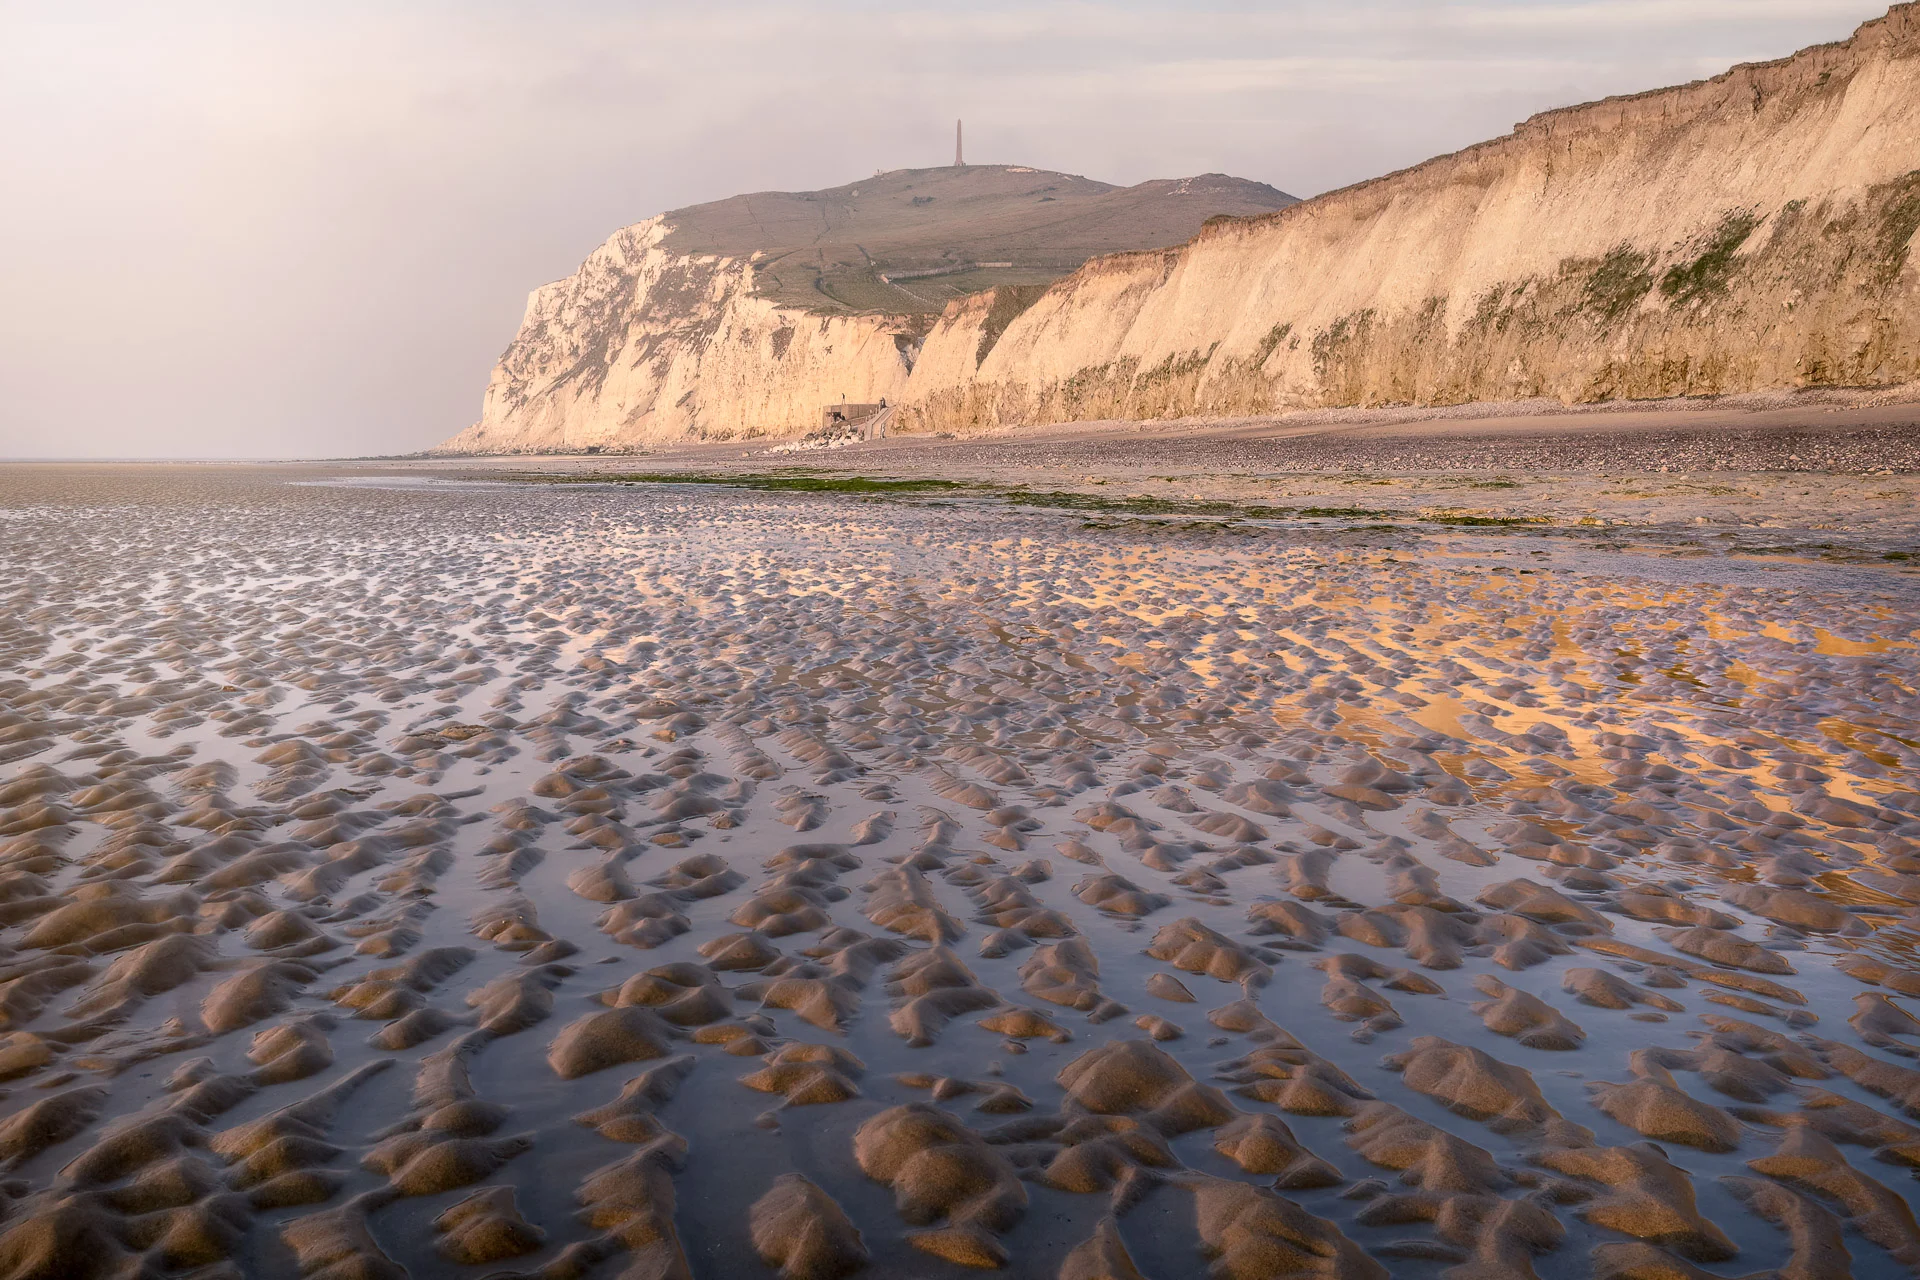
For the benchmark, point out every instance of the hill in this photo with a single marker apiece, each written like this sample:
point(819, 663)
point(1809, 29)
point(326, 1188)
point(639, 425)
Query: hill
point(746, 316)
point(912, 240)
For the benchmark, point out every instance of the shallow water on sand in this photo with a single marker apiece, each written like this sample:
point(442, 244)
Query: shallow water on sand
point(422, 878)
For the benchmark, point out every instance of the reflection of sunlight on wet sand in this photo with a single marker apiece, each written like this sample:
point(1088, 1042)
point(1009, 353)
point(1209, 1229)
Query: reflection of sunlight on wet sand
point(1827, 642)
point(1441, 714)
point(583, 738)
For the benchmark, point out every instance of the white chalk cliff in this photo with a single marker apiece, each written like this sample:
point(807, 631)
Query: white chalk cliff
point(748, 316)
point(644, 345)
point(1748, 232)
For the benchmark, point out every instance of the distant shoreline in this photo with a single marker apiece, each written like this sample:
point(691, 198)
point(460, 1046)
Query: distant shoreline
point(1822, 411)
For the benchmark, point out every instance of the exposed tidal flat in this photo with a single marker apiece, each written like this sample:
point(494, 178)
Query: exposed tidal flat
point(435, 874)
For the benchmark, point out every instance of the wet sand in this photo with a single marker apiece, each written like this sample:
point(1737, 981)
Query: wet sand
point(405, 871)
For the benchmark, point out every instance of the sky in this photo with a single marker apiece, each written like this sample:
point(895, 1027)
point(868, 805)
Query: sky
point(276, 229)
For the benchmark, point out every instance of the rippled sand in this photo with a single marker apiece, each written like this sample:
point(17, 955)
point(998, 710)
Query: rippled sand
point(662, 881)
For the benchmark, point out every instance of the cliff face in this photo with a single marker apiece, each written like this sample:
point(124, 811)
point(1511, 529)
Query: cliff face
point(1752, 231)
point(644, 345)
point(1748, 232)
point(747, 316)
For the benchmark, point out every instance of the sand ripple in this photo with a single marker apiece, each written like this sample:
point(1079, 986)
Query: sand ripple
point(696, 855)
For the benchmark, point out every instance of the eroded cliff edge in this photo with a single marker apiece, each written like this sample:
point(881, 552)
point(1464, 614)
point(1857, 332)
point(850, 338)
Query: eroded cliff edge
point(1749, 232)
point(644, 345)
point(747, 316)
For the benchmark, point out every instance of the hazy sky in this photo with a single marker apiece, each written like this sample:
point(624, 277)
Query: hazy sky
point(291, 229)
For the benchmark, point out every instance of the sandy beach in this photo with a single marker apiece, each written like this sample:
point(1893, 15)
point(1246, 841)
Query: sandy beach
point(486, 868)
point(1825, 475)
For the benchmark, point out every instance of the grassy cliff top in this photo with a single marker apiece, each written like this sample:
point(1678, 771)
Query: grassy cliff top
point(866, 246)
